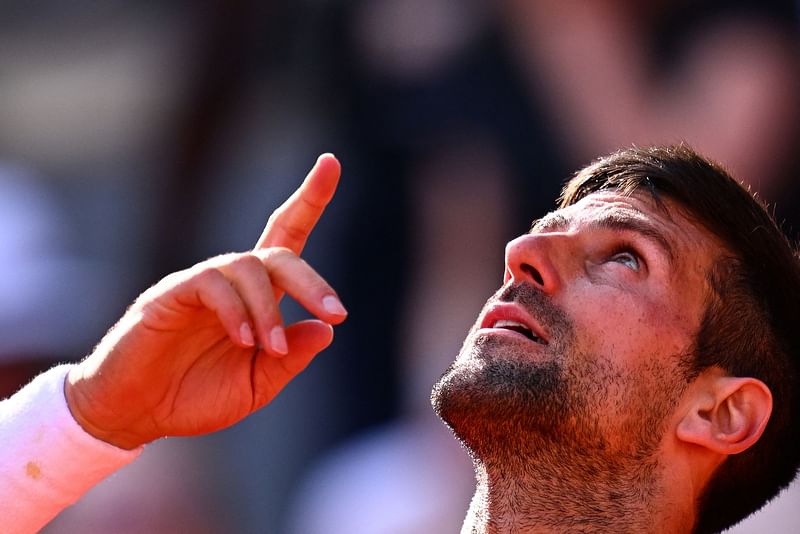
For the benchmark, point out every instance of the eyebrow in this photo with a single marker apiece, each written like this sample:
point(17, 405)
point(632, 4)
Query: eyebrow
point(619, 221)
point(555, 220)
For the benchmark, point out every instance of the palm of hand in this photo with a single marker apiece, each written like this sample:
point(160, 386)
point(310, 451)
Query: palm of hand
point(205, 381)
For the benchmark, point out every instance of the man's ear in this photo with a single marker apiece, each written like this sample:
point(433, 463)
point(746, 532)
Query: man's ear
point(728, 414)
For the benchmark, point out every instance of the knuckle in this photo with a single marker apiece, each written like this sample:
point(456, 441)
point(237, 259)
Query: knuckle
point(237, 264)
point(294, 233)
point(245, 261)
point(276, 215)
point(276, 256)
point(208, 274)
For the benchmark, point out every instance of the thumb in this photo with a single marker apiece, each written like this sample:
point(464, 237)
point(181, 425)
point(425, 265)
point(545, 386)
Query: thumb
point(305, 339)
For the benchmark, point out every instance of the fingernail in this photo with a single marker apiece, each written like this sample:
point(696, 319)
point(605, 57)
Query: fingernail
point(277, 339)
point(333, 306)
point(246, 335)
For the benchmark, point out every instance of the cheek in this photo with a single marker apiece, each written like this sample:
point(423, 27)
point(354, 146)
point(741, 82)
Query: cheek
point(629, 325)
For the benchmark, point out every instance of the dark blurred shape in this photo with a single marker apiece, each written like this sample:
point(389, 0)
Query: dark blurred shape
point(52, 298)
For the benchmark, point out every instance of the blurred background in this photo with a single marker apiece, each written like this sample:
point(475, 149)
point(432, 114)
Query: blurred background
point(137, 138)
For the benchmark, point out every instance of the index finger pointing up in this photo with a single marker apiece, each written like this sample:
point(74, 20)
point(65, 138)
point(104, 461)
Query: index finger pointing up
point(290, 225)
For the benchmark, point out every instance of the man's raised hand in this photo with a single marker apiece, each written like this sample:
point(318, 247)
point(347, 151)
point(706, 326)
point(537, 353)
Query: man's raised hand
point(207, 346)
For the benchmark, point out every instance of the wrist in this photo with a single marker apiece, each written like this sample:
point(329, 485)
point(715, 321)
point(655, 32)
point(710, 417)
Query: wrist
point(84, 408)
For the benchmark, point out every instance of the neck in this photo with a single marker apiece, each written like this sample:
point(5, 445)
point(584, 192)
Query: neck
point(576, 495)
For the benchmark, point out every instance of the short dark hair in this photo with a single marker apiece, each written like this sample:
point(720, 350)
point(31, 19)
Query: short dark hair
point(749, 327)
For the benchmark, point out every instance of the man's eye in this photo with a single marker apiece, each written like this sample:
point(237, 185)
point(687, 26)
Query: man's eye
point(628, 259)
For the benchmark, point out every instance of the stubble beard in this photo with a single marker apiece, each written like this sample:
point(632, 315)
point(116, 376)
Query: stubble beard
point(496, 397)
point(544, 417)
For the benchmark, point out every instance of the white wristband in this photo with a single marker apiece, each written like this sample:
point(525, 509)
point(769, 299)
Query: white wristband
point(47, 460)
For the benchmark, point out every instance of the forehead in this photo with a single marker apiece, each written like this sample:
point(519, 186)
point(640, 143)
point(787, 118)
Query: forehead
point(638, 212)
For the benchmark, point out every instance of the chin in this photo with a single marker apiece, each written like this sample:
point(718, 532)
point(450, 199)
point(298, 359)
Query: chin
point(492, 396)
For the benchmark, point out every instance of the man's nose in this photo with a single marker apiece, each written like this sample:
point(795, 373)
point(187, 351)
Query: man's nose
point(532, 258)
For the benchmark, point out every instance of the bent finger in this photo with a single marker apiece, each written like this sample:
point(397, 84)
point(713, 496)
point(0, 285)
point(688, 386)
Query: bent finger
point(247, 275)
point(306, 340)
point(290, 225)
point(292, 274)
point(213, 291)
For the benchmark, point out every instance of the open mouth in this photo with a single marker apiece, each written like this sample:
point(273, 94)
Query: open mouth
point(514, 318)
point(520, 328)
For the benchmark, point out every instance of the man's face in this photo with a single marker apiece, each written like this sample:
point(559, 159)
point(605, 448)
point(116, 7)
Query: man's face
point(584, 345)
